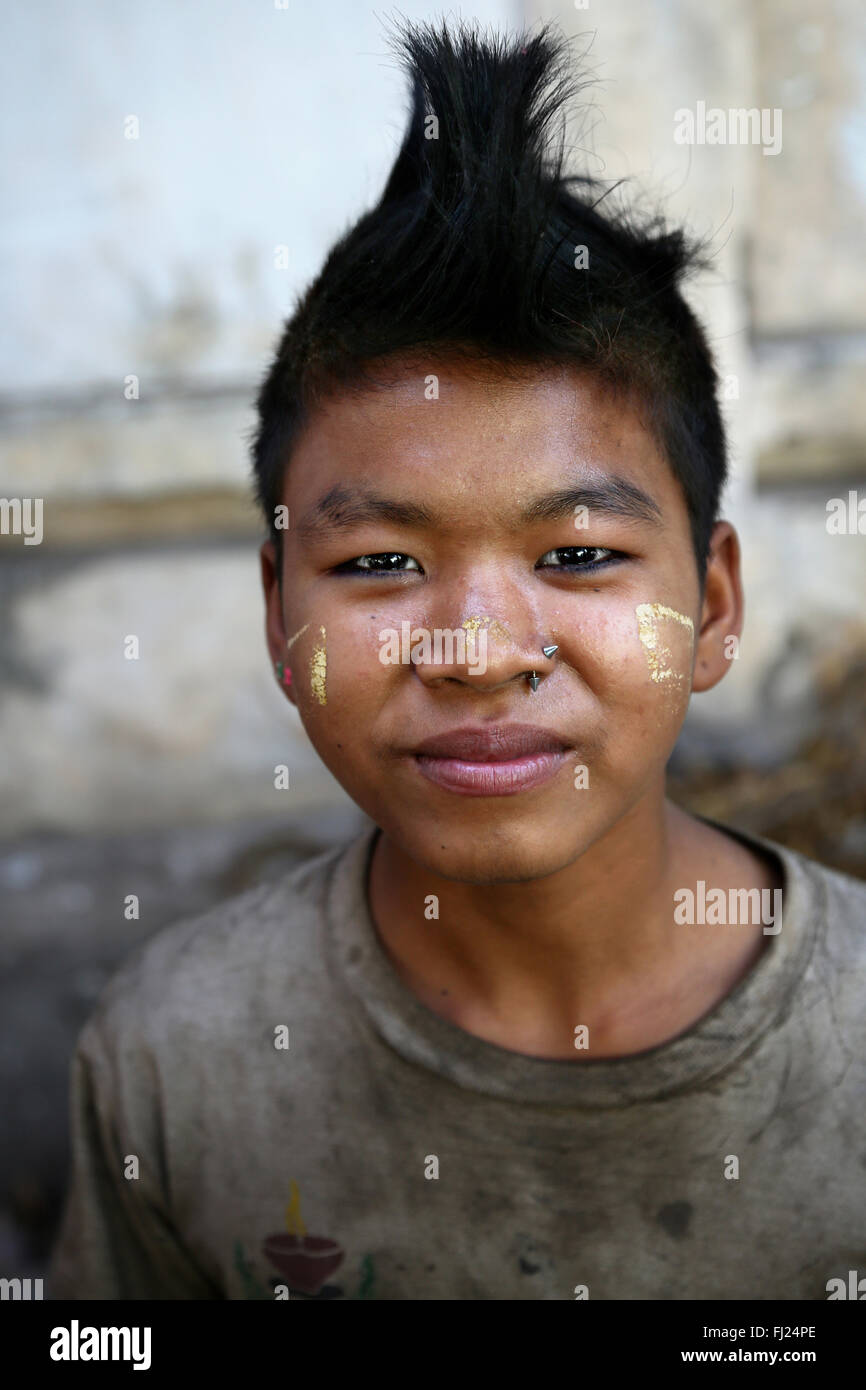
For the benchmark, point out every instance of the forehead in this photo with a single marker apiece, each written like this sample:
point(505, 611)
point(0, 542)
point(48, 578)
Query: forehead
point(451, 426)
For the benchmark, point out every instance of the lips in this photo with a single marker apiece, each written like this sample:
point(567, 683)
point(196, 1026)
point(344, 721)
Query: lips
point(492, 744)
point(493, 761)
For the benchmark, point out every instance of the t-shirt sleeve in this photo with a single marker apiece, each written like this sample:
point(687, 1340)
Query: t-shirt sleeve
point(117, 1239)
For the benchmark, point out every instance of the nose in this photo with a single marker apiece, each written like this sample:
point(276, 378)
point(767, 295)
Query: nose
point(484, 653)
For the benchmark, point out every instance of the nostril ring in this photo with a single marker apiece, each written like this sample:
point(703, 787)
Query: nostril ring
point(533, 676)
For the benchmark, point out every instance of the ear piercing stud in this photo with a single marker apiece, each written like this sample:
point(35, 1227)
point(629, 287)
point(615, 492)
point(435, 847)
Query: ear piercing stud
point(284, 674)
point(533, 677)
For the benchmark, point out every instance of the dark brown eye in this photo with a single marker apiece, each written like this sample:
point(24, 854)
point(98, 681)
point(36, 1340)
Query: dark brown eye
point(383, 562)
point(578, 557)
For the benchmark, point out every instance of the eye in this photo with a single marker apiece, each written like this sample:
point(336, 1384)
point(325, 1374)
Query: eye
point(579, 557)
point(385, 562)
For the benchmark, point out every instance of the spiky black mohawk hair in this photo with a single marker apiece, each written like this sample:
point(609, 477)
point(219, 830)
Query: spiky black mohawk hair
point(472, 249)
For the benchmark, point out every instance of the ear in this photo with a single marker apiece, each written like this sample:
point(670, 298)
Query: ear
point(275, 625)
point(722, 612)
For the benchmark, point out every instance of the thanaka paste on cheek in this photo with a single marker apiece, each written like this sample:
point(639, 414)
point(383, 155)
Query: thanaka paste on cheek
point(319, 670)
point(659, 656)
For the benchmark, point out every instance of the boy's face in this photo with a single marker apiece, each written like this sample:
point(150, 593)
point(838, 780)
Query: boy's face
point(490, 504)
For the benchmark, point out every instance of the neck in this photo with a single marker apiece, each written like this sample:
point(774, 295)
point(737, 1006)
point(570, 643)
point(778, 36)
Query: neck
point(593, 945)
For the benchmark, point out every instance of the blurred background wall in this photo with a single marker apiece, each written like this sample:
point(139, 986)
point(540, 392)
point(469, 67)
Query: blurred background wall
point(173, 174)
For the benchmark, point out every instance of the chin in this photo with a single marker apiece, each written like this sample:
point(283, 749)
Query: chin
point(489, 856)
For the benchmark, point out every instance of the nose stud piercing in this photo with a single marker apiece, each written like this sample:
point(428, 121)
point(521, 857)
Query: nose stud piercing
point(533, 677)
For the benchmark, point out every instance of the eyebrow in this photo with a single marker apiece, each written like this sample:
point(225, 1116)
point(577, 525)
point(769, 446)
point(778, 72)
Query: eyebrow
point(610, 497)
point(343, 508)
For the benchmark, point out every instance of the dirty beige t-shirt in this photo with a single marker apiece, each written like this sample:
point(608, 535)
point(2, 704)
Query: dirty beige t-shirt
point(312, 1168)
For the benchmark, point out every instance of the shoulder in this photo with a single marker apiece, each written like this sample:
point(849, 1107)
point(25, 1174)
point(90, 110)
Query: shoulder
point(841, 902)
point(814, 894)
point(217, 974)
point(828, 910)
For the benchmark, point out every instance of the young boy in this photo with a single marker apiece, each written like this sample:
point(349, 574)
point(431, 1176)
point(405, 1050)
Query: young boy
point(537, 1033)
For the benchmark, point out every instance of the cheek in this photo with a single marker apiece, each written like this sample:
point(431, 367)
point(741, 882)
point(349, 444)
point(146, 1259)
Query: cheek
point(335, 669)
point(636, 658)
point(340, 688)
point(667, 638)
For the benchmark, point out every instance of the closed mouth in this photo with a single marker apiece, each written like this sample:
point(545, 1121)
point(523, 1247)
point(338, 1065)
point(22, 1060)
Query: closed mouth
point(497, 760)
point(491, 743)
